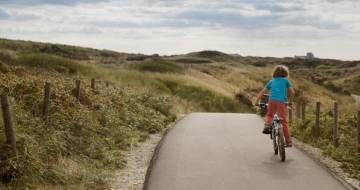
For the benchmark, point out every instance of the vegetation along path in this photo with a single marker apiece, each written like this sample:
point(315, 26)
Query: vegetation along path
point(227, 151)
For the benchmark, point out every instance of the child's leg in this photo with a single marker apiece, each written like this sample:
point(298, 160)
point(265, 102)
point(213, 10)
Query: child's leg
point(282, 113)
point(270, 112)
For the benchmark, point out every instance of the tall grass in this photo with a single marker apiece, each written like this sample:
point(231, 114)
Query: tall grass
point(158, 66)
point(213, 55)
point(205, 99)
point(52, 63)
point(84, 140)
point(190, 60)
point(81, 141)
point(191, 90)
point(3, 68)
point(346, 151)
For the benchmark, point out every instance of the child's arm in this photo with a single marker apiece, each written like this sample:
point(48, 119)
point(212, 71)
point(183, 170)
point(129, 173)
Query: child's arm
point(258, 97)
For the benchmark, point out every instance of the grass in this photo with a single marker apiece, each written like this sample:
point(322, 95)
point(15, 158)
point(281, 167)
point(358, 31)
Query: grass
point(212, 55)
point(350, 84)
point(344, 153)
point(86, 140)
point(3, 68)
point(204, 99)
point(201, 96)
point(157, 66)
point(83, 141)
point(66, 51)
point(51, 63)
point(190, 60)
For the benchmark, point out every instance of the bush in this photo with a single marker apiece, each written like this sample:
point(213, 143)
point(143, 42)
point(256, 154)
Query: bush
point(3, 68)
point(335, 88)
point(140, 57)
point(344, 153)
point(52, 63)
point(64, 51)
point(6, 58)
point(158, 66)
point(80, 140)
point(244, 99)
point(192, 60)
point(352, 85)
point(213, 55)
point(259, 64)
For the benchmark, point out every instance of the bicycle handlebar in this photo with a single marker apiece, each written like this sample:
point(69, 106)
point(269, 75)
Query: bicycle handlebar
point(266, 104)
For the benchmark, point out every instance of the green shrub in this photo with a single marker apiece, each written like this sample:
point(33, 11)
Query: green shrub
point(244, 99)
point(158, 66)
point(79, 141)
point(192, 60)
point(352, 85)
point(344, 153)
point(52, 63)
point(3, 68)
point(213, 55)
point(5, 57)
point(259, 64)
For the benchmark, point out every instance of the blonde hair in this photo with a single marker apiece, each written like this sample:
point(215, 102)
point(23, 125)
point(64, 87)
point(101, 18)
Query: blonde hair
point(281, 71)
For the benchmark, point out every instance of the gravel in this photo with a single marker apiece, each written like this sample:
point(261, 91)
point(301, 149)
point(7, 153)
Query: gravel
point(138, 158)
point(357, 99)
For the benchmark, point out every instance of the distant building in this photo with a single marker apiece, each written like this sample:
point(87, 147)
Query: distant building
point(309, 55)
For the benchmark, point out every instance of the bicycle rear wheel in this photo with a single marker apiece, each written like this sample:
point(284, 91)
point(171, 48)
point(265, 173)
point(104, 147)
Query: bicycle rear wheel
point(281, 144)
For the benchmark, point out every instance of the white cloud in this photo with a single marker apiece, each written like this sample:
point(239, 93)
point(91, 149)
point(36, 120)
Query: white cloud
point(3, 15)
point(250, 27)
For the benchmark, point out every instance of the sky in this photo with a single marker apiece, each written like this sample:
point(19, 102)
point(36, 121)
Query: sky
point(278, 28)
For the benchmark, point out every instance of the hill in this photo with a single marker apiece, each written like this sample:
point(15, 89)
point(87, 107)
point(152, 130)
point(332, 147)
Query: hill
point(135, 95)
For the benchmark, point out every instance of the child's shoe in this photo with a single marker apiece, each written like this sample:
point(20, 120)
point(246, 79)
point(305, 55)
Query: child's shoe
point(288, 144)
point(266, 129)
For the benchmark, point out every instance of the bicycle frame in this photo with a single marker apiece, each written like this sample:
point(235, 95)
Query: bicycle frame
point(275, 126)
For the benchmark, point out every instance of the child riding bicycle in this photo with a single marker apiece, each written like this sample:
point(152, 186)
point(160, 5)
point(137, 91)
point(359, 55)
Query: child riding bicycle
point(281, 92)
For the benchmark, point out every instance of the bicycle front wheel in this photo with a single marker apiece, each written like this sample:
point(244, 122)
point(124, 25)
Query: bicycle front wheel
point(275, 144)
point(281, 144)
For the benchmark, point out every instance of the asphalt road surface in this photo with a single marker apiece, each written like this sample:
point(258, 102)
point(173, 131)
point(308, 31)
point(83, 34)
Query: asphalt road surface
point(213, 151)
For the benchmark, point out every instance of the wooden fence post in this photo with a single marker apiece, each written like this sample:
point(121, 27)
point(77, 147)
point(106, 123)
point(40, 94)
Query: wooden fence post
point(317, 121)
point(303, 110)
point(336, 125)
point(358, 128)
point(298, 109)
point(290, 115)
point(8, 125)
point(77, 90)
point(93, 83)
point(46, 101)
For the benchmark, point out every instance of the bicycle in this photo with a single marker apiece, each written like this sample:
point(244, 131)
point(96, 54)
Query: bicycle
point(277, 134)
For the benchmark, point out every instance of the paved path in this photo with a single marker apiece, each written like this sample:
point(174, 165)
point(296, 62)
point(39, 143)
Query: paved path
point(207, 151)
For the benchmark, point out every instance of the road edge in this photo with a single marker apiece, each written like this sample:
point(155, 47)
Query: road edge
point(157, 150)
point(319, 158)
